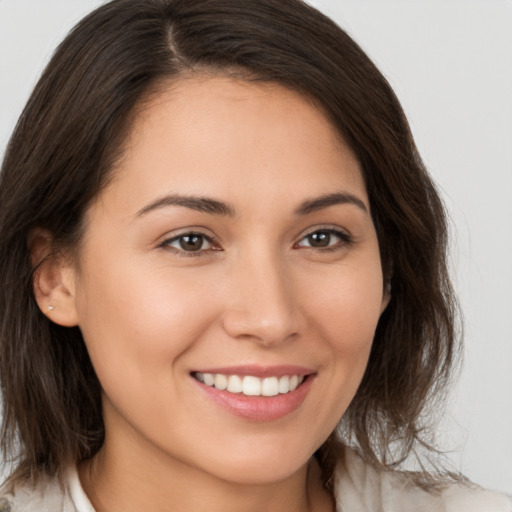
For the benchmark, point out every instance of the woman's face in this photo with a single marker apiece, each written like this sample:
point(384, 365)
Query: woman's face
point(234, 245)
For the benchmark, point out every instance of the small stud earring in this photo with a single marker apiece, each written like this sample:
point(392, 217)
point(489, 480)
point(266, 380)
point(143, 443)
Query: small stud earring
point(50, 308)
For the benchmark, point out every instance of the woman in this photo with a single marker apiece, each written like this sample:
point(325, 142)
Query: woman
point(223, 272)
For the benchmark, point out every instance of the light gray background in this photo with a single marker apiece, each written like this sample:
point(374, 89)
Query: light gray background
point(450, 62)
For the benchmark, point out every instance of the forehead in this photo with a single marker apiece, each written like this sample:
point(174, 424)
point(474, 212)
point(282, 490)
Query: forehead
point(221, 136)
point(198, 99)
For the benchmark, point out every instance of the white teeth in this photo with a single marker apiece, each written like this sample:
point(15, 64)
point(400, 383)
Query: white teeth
point(270, 386)
point(284, 384)
point(234, 384)
point(221, 381)
point(208, 378)
point(250, 385)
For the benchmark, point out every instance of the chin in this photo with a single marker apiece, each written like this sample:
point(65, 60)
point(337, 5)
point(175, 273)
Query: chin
point(257, 466)
point(260, 473)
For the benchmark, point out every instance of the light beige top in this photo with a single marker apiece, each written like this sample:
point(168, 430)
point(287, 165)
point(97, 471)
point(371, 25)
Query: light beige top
point(361, 488)
point(358, 488)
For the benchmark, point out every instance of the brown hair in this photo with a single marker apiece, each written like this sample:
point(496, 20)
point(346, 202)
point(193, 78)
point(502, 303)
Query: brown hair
point(64, 146)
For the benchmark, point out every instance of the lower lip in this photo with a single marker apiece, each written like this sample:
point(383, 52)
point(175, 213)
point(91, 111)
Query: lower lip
point(260, 408)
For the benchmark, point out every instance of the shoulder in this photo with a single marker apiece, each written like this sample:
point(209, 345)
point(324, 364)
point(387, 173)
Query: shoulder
point(359, 486)
point(46, 495)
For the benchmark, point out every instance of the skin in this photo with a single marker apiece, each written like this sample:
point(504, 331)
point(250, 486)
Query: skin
point(256, 292)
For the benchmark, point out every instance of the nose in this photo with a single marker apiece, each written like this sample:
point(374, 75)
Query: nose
point(262, 305)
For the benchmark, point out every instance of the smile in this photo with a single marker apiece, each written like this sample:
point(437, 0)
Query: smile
point(250, 385)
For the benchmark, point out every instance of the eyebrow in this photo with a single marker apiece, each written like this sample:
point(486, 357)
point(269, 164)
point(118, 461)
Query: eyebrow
point(200, 204)
point(313, 205)
point(215, 207)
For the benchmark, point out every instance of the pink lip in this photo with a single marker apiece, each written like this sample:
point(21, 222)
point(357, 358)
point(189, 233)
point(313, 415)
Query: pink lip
point(260, 371)
point(259, 408)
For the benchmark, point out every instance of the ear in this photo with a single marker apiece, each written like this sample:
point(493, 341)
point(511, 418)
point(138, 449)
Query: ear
point(54, 279)
point(386, 295)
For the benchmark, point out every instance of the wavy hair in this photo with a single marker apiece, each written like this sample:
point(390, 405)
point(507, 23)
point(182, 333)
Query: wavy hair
point(63, 149)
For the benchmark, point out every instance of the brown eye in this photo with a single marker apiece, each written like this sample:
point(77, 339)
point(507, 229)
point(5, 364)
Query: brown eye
point(325, 239)
point(189, 242)
point(319, 239)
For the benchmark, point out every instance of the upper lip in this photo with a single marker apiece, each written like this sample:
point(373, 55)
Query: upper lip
point(259, 371)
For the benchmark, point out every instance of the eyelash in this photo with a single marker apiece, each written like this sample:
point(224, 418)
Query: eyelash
point(344, 240)
point(214, 246)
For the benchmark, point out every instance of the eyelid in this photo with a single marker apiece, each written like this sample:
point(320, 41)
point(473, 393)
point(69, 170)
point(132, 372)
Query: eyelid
point(342, 234)
point(213, 241)
point(188, 230)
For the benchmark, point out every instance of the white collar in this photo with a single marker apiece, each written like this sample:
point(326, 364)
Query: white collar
point(78, 496)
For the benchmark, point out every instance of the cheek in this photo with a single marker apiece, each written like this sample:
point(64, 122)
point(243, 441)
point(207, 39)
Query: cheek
point(347, 304)
point(344, 313)
point(141, 318)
